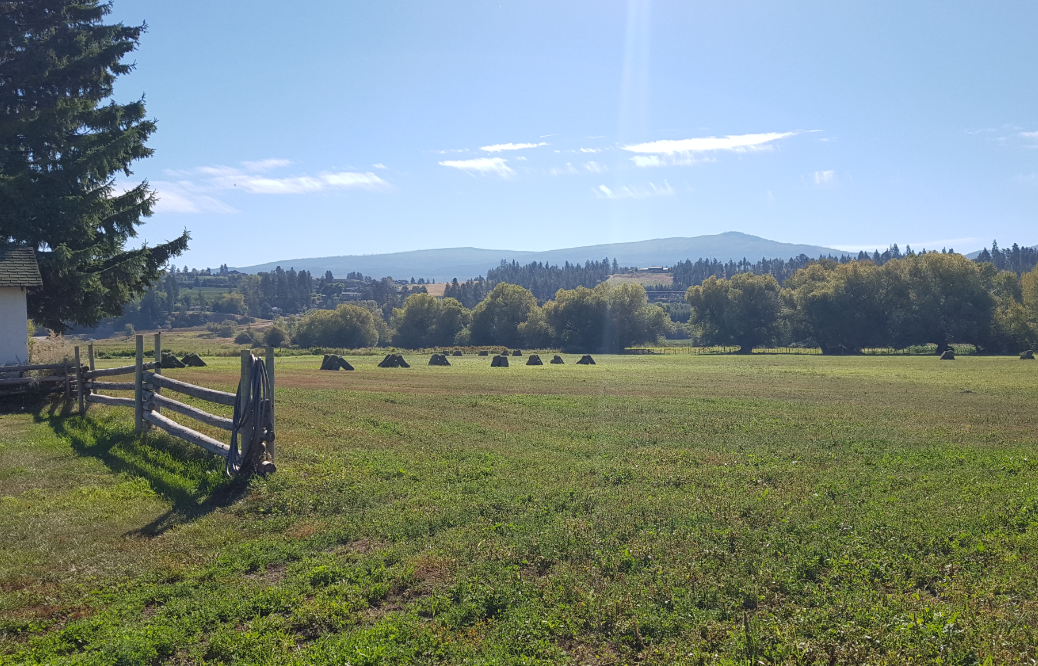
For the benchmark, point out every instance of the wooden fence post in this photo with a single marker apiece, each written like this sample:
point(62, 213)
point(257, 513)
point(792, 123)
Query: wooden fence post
point(90, 360)
point(270, 381)
point(79, 384)
point(158, 368)
point(138, 388)
point(244, 386)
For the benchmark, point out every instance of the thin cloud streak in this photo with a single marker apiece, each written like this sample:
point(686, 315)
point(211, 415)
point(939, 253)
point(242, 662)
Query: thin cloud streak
point(492, 166)
point(684, 152)
point(193, 192)
point(498, 147)
point(185, 197)
point(635, 192)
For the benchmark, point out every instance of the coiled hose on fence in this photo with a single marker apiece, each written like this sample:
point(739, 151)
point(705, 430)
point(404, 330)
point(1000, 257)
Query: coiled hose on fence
point(254, 422)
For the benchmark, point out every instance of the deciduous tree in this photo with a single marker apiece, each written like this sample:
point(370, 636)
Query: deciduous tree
point(743, 310)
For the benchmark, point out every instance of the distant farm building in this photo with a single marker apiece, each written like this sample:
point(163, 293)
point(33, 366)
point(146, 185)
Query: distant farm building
point(18, 273)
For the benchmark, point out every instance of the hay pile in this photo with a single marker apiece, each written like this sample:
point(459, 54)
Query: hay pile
point(517, 353)
point(504, 352)
point(457, 352)
point(484, 353)
point(171, 361)
point(393, 361)
point(193, 361)
point(1027, 355)
point(948, 355)
point(557, 360)
point(499, 362)
point(586, 360)
point(534, 360)
point(438, 359)
point(334, 362)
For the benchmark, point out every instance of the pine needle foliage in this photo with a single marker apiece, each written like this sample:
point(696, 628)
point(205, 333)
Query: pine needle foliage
point(62, 145)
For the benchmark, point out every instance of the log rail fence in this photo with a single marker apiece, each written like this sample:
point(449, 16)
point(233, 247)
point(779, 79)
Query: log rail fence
point(252, 424)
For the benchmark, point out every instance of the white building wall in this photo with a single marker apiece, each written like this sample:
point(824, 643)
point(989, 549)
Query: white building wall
point(14, 348)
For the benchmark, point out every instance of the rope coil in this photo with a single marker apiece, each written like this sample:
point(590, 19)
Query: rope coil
point(254, 420)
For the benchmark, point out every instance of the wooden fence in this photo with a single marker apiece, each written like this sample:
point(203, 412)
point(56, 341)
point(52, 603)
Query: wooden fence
point(253, 421)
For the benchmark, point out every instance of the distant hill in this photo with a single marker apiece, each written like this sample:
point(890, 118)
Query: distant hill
point(467, 262)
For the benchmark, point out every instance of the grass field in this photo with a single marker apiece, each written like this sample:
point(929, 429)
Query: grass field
point(686, 509)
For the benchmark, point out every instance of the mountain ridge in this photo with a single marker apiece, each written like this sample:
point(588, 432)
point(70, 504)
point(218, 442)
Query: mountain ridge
point(443, 264)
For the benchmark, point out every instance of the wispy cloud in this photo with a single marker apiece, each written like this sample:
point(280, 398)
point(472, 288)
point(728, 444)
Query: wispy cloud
point(186, 197)
point(590, 150)
point(379, 165)
point(824, 177)
point(561, 171)
point(266, 165)
point(1029, 135)
point(498, 147)
point(492, 166)
point(635, 192)
point(194, 189)
point(690, 151)
point(595, 167)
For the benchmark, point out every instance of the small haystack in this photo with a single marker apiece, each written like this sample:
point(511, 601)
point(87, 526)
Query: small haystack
point(439, 359)
point(393, 361)
point(586, 360)
point(1027, 355)
point(457, 352)
point(335, 362)
point(534, 360)
point(484, 353)
point(171, 361)
point(504, 352)
point(517, 353)
point(948, 355)
point(557, 360)
point(499, 362)
point(193, 361)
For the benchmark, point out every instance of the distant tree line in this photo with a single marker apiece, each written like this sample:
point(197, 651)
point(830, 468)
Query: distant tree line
point(917, 299)
point(606, 319)
point(885, 299)
point(539, 278)
point(1018, 259)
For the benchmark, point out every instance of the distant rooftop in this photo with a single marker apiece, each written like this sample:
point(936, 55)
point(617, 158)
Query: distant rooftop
point(18, 268)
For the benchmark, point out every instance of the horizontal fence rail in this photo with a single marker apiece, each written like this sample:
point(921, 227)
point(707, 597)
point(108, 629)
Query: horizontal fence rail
point(162, 401)
point(183, 432)
point(110, 400)
point(200, 392)
point(112, 386)
point(253, 421)
point(124, 370)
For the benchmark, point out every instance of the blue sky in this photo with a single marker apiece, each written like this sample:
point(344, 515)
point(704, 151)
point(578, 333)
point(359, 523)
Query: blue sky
point(328, 127)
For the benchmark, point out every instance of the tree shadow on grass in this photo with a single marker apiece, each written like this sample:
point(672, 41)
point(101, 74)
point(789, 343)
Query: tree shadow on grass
point(189, 478)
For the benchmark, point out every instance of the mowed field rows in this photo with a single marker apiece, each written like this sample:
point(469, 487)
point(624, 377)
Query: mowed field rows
point(649, 509)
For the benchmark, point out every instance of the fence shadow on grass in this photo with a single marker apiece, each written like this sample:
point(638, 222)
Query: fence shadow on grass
point(187, 477)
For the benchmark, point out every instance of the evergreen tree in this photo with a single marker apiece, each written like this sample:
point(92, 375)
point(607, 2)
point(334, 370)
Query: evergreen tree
point(60, 148)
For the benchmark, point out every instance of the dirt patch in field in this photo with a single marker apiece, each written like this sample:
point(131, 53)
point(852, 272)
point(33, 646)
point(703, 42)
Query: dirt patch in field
point(271, 575)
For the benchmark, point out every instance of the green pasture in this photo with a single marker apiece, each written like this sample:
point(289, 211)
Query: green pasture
point(669, 509)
